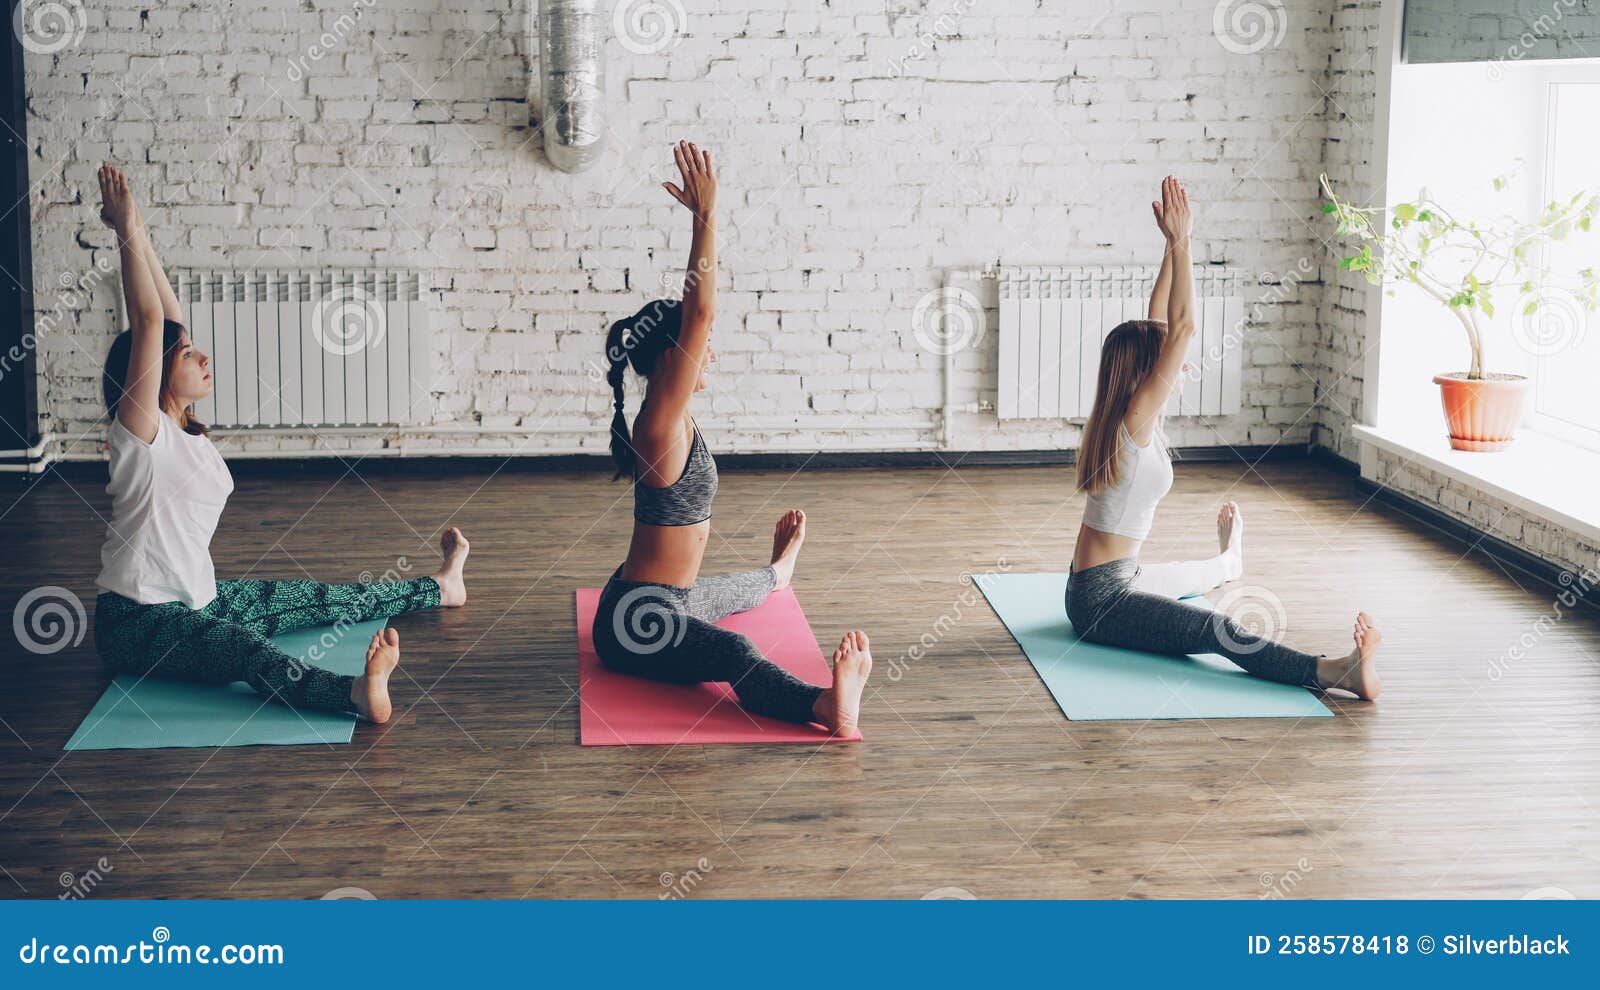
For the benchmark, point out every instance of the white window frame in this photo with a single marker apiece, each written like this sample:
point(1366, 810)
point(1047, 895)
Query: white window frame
point(1580, 434)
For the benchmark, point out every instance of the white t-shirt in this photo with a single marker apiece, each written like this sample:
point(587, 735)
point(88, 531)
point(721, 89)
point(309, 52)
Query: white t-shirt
point(166, 498)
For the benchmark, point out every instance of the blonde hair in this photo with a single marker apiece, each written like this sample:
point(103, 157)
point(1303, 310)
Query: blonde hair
point(1128, 358)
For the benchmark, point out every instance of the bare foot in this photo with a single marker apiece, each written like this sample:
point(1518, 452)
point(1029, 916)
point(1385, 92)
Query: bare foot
point(370, 692)
point(786, 539)
point(452, 582)
point(839, 707)
point(1230, 538)
point(1358, 672)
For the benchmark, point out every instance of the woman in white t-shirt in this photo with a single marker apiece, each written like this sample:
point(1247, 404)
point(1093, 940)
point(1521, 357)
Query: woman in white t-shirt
point(161, 611)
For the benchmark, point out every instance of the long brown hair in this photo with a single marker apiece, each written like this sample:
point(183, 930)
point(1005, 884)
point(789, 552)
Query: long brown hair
point(114, 379)
point(1128, 358)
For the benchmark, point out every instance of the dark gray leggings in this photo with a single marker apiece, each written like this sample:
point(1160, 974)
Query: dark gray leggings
point(1105, 607)
point(667, 633)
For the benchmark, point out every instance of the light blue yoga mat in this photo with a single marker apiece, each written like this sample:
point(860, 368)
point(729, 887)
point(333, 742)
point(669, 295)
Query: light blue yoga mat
point(155, 713)
point(1092, 682)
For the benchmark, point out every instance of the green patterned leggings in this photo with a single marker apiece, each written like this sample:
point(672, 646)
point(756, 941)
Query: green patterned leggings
point(227, 640)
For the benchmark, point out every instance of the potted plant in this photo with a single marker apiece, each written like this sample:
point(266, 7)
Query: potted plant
point(1462, 264)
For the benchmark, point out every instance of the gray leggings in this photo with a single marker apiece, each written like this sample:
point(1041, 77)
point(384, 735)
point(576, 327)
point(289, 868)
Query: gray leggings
point(667, 633)
point(1105, 606)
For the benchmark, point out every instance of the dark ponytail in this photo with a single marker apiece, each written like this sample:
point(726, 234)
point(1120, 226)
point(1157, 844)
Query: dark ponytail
point(622, 454)
point(639, 340)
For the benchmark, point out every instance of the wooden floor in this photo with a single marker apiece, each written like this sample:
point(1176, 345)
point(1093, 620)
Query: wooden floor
point(1458, 784)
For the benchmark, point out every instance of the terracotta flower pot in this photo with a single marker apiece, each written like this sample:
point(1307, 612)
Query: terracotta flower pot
point(1483, 414)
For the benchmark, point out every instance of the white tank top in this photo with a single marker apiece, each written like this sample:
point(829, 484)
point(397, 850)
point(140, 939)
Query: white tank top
point(1128, 508)
point(166, 498)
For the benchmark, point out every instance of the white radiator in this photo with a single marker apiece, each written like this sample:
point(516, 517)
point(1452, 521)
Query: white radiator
point(1053, 320)
point(310, 348)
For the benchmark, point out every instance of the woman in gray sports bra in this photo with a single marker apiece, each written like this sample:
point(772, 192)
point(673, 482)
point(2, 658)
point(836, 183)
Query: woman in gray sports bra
point(657, 616)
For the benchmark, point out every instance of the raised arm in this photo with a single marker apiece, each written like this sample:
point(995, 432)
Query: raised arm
point(1144, 412)
point(678, 372)
point(1163, 286)
point(169, 299)
point(139, 407)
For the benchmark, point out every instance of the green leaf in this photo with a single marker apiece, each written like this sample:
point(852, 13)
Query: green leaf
point(1329, 207)
point(1405, 213)
point(1531, 308)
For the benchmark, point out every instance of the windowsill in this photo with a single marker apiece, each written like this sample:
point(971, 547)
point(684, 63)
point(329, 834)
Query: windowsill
point(1545, 477)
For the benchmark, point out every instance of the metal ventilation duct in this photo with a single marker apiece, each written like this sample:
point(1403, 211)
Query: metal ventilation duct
point(572, 81)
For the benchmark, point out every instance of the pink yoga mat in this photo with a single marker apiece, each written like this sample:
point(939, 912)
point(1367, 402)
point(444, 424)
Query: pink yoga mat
point(618, 710)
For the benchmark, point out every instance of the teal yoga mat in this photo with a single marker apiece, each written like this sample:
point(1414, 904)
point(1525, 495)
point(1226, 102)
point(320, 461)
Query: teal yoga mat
point(156, 713)
point(1092, 682)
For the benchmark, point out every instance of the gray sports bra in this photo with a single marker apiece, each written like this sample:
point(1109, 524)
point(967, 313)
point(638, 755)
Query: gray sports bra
point(684, 502)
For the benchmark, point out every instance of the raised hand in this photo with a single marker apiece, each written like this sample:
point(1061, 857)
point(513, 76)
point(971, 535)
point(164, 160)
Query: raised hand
point(1172, 212)
point(117, 207)
point(699, 189)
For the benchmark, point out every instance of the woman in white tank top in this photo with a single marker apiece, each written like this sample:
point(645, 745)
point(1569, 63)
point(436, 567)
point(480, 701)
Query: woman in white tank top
point(1125, 470)
point(161, 612)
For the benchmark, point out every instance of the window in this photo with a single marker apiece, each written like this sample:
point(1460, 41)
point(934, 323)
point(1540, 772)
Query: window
point(1566, 340)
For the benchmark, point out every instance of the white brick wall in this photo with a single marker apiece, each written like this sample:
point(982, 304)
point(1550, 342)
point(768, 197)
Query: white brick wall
point(1490, 515)
point(1347, 150)
point(865, 147)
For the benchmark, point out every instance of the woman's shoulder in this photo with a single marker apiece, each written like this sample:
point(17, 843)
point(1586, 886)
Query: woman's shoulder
point(1144, 439)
